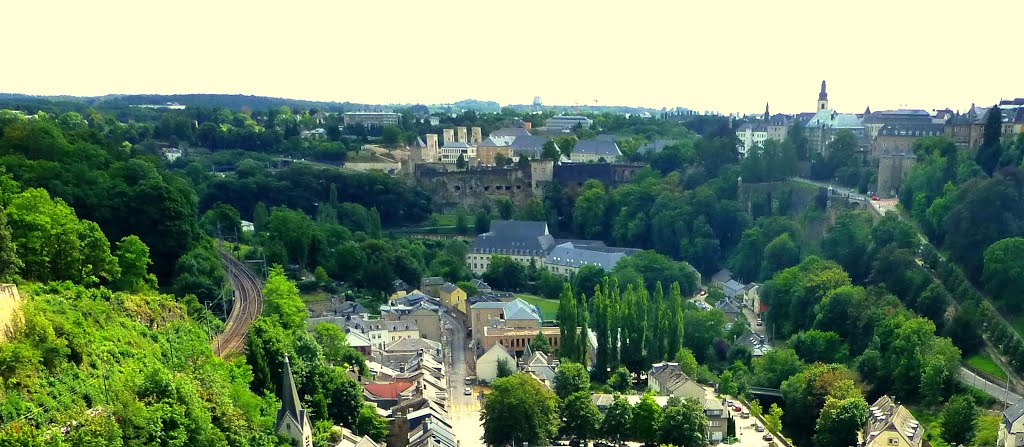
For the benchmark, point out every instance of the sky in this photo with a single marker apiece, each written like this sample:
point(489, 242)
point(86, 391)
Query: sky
point(727, 56)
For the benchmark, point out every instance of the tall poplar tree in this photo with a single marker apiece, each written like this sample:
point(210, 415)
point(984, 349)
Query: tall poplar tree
point(583, 339)
point(674, 328)
point(567, 323)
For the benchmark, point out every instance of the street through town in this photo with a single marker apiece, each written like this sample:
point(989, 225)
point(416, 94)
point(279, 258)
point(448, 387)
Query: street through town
point(464, 411)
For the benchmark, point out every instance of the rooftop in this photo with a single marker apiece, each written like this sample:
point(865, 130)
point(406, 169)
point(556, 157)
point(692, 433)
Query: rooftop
point(527, 238)
point(602, 148)
point(569, 255)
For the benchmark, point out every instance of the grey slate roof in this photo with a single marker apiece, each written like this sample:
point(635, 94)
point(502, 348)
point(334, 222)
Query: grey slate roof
point(603, 148)
point(456, 145)
point(521, 310)
point(732, 287)
point(569, 255)
point(727, 306)
point(449, 287)
point(831, 119)
point(530, 145)
point(511, 132)
point(1013, 413)
point(509, 237)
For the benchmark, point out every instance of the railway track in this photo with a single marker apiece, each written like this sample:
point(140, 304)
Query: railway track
point(247, 305)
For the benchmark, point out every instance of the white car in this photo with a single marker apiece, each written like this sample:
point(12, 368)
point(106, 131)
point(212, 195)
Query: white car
point(468, 392)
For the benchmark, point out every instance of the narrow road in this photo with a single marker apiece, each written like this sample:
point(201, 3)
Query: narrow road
point(463, 411)
point(247, 305)
point(1001, 394)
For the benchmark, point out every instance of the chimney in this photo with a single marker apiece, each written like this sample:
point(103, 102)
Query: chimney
point(449, 136)
point(461, 134)
point(475, 136)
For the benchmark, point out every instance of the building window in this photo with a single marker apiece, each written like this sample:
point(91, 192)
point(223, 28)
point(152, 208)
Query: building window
point(894, 441)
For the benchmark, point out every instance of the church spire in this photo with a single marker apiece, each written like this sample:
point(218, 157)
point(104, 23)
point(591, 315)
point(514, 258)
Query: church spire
point(292, 420)
point(867, 111)
point(289, 395)
point(767, 115)
point(823, 97)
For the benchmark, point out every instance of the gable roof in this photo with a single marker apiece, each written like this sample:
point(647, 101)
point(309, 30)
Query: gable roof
point(670, 377)
point(511, 132)
point(413, 345)
point(727, 306)
point(530, 238)
point(603, 148)
point(889, 417)
point(518, 309)
point(387, 390)
point(569, 255)
point(656, 146)
point(1013, 413)
point(449, 287)
point(432, 281)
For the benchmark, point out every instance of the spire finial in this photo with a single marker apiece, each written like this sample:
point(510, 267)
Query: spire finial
point(823, 95)
point(767, 115)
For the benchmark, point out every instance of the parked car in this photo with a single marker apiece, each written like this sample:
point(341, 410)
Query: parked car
point(759, 428)
point(468, 392)
point(759, 322)
point(703, 292)
point(745, 415)
point(875, 198)
point(737, 408)
point(469, 380)
point(767, 437)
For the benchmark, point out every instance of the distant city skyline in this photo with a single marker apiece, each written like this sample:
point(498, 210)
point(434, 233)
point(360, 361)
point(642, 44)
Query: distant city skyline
point(728, 58)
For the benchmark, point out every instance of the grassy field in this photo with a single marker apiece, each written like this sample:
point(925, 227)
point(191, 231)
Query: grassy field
point(983, 362)
point(311, 297)
point(988, 425)
point(548, 308)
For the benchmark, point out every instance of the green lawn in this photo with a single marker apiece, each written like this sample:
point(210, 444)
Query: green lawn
point(548, 308)
point(983, 362)
point(988, 425)
point(312, 297)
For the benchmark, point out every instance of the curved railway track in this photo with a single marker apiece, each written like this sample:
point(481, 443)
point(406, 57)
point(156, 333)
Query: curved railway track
point(247, 305)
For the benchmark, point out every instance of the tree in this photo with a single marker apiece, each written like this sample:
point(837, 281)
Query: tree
point(684, 424)
point(570, 378)
point(336, 349)
point(390, 135)
point(281, 301)
point(687, 362)
point(10, 265)
point(505, 207)
point(840, 421)
point(617, 421)
point(991, 151)
point(550, 151)
point(621, 380)
point(796, 136)
point(460, 163)
point(369, 423)
point(1004, 271)
point(567, 324)
point(133, 260)
point(773, 420)
point(779, 255)
point(817, 346)
point(501, 160)
point(589, 211)
point(504, 273)
point(504, 369)
point(645, 420)
point(222, 221)
point(519, 409)
point(461, 224)
point(260, 217)
point(540, 344)
point(580, 417)
point(959, 420)
point(587, 278)
point(847, 243)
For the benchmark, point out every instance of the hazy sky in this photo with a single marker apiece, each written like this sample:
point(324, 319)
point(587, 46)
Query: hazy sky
point(730, 56)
